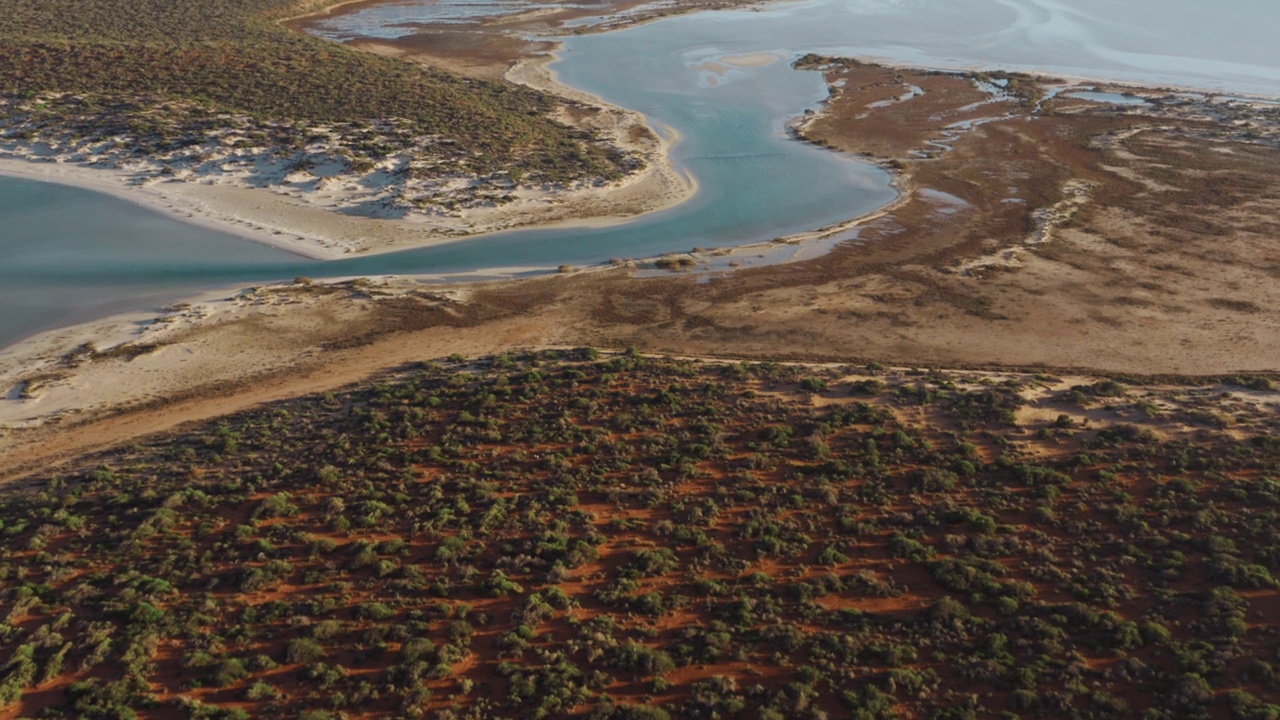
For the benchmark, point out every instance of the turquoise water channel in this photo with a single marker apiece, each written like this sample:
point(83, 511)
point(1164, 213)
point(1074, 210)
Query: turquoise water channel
point(68, 255)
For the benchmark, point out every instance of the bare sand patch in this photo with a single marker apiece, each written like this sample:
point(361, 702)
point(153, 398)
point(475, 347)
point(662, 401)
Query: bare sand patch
point(751, 60)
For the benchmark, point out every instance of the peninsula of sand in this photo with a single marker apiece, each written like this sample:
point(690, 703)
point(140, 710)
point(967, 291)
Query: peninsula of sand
point(319, 201)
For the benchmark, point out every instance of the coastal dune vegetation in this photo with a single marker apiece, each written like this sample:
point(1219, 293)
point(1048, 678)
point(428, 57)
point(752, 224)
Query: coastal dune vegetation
point(154, 75)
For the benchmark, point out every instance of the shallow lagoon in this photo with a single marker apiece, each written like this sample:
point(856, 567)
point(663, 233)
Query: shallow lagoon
point(1228, 45)
point(69, 255)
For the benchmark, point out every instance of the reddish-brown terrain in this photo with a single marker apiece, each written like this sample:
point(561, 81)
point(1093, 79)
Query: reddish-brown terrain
point(553, 535)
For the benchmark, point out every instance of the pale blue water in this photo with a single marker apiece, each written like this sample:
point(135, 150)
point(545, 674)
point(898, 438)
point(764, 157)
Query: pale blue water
point(68, 255)
point(401, 18)
point(1224, 44)
point(1108, 98)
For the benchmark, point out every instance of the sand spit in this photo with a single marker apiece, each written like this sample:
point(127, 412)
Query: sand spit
point(326, 213)
point(322, 201)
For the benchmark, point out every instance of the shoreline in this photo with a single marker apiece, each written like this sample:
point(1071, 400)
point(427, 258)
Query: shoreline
point(536, 73)
point(1069, 79)
point(116, 184)
point(279, 331)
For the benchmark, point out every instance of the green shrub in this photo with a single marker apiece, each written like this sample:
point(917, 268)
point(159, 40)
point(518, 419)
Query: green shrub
point(303, 650)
